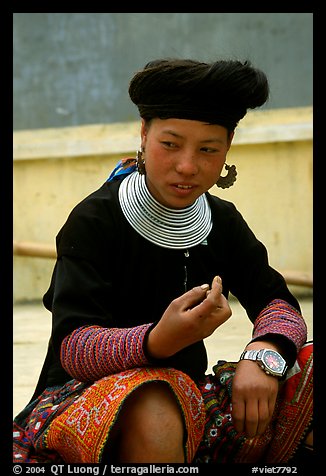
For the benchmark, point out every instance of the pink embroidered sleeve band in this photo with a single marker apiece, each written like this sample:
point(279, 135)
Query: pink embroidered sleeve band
point(92, 352)
point(279, 317)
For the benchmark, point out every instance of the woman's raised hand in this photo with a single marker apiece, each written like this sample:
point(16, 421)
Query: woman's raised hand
point(188, 319)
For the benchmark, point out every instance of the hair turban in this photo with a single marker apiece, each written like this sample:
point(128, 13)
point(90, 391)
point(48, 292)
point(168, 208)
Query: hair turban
point(220, 92)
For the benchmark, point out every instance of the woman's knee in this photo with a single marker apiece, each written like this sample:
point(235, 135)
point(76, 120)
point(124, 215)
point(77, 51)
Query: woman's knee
point(150, 424)
point(152, 404)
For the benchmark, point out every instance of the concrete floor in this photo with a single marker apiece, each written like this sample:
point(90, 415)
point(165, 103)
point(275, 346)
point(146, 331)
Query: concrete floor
point(32, 325)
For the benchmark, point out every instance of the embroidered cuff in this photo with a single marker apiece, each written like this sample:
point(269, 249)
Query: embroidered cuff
point(282, 319)
point(92, 352)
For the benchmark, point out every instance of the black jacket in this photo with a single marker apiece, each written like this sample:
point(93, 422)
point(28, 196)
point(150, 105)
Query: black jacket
point(106, 274)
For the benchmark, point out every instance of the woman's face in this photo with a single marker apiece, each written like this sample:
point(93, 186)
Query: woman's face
point(183, 158)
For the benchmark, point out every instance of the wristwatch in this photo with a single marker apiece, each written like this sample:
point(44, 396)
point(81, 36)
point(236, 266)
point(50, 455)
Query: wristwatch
point(269, 360)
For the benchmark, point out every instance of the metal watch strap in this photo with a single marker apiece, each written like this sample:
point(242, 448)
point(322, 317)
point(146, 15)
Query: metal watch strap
point(249, 354)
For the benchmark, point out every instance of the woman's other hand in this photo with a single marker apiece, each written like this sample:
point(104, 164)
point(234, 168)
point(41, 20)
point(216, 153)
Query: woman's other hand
point(254, 394)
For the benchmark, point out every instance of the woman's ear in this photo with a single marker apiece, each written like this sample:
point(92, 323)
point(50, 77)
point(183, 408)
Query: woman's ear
point(143, 132)
point(230, 139)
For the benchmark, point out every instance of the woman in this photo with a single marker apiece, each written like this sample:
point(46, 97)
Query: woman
point(145, 265)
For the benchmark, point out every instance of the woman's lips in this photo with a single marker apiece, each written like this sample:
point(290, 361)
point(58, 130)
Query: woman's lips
point(183, 188)
point(186, 187)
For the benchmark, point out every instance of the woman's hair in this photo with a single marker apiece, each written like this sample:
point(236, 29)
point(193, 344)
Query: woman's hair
point(220, 92)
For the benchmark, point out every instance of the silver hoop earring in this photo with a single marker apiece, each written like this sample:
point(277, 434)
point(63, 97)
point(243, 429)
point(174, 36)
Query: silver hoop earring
point(229, 179)
point(140, 163)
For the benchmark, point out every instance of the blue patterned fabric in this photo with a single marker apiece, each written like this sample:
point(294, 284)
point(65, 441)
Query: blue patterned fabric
point(124, 167)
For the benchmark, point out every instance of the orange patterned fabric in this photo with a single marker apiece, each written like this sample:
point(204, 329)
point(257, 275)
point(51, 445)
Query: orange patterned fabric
point(73, 423)
point(80, 433)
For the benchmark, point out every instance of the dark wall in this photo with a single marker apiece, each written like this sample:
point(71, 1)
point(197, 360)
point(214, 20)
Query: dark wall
point(74, 68)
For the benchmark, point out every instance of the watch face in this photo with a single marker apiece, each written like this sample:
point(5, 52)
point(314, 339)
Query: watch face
point(273, 360)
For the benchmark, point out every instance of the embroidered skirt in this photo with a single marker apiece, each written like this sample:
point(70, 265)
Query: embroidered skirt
point(72, 424)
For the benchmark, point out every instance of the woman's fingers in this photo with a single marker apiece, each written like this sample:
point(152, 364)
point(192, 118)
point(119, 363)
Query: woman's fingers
point(215, 293)
point(192, 298)
point(251, 416)
point(188, 319)
point(253, 399)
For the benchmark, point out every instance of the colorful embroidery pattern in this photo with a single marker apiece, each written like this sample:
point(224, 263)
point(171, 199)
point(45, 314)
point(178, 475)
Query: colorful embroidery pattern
point(221, 442)
point(31, 425)
point(73, 423)
point(292, 416)
point(280, 317)
point(92, 352)
point(70, 426)
point(81, 432)
point(296, 410)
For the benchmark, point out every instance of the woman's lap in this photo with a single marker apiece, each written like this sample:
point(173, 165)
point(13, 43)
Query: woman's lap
point(73, 423)
point(78, 428)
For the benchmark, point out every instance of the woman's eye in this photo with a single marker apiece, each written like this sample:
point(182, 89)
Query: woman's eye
point(209, 150)
point(169, 144)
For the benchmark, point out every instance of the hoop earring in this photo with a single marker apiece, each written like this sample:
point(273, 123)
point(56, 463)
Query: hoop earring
point(140, 163)
point(229, 179)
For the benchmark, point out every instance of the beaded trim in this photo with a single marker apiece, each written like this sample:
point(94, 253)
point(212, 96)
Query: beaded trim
point(163, 226)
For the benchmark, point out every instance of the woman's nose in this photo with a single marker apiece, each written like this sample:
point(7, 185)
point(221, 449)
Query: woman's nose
point(187, 164)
